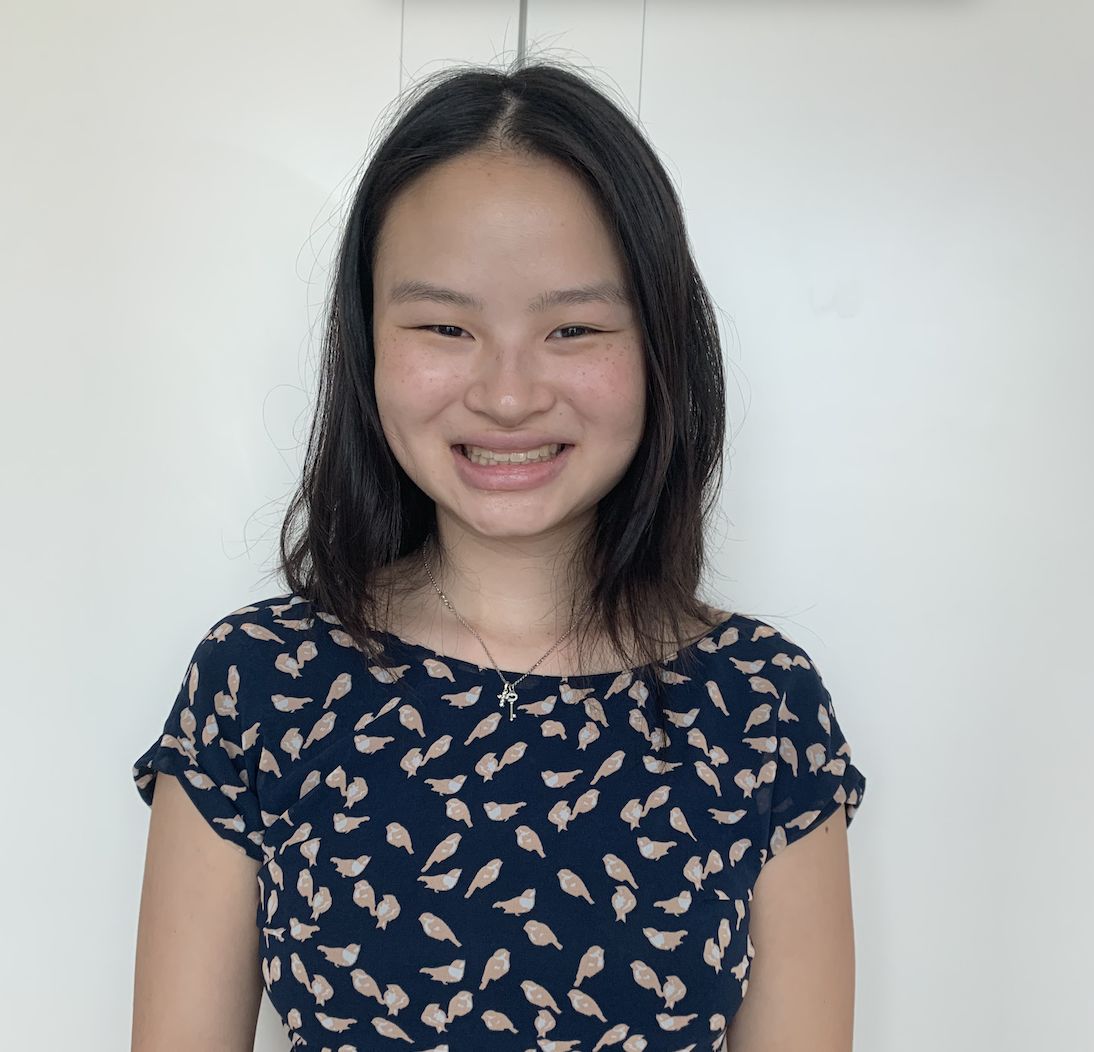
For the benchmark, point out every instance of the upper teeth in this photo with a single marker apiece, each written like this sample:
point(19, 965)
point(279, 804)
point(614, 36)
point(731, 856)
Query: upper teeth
point(539, 453)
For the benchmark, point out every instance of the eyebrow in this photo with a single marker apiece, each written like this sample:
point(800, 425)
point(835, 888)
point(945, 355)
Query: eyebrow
point(598, 292)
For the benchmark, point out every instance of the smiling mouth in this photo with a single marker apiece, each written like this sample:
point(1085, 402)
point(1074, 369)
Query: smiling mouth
point(514, 459)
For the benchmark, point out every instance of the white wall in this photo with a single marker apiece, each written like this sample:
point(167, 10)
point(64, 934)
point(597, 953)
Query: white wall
point(891, 204)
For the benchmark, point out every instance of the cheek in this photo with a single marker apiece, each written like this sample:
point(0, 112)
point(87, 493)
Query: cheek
point(611, 392)
point(408, 390)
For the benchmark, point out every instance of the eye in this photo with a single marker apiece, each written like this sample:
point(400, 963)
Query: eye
point(585, 329)
point(432, 328)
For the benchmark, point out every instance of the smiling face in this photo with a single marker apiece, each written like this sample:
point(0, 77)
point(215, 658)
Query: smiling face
point(501, 319)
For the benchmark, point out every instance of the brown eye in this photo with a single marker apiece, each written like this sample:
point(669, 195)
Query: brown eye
point(431, 328)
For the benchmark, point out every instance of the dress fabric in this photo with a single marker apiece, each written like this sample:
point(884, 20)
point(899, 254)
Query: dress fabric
point(433, 874)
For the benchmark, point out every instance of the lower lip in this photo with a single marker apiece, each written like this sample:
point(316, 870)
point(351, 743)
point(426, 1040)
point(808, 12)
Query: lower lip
point(510, 476)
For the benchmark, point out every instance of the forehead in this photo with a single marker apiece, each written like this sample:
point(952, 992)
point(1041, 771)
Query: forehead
point(486, 221)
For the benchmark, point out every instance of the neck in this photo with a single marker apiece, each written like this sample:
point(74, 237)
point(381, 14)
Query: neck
point(512, 594)
point(515, 600)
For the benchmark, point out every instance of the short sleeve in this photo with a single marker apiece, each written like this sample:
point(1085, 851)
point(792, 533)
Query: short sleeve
point(813, 772)
point(206, 741)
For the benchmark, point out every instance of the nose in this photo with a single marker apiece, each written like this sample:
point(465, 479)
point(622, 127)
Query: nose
point(509, 383)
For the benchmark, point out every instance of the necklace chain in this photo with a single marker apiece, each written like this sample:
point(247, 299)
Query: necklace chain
point(508, 693)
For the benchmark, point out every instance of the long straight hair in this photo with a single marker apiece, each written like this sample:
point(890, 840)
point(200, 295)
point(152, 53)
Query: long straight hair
point(356, 510)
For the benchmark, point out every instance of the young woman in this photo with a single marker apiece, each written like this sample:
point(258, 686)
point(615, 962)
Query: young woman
point(487, 774)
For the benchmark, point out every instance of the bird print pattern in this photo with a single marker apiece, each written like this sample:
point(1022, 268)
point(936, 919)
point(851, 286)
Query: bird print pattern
point(435, 875)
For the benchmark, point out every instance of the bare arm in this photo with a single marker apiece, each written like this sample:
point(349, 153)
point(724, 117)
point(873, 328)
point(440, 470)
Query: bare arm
point(801, 984)
point(198, 979)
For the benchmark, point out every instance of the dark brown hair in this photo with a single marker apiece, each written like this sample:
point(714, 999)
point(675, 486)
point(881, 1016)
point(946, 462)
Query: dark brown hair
point(356, 510)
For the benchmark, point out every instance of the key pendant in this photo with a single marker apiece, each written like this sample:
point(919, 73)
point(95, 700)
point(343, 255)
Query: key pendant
point(507, 695)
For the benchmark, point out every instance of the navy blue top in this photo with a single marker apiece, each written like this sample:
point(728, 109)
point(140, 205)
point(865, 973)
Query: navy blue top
point(434, 874)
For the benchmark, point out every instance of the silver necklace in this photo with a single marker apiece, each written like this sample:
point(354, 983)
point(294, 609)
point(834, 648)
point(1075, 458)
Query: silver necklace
point(508, 694)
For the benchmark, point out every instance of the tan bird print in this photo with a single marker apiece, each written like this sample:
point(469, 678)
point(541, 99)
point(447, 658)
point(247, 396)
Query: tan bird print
point(632, 813)
point(458, 811)
point(673, 1022)
point(540, 934)
point(487, 766)
point(528, 839)
point(446, 786)
point(679, 821)
point(438, 670)
point(538, 995)
point(411, 718)
point(343, 823)
point(386, 1028)
point(785, 715)
point(337, 1024)
point(560, 814)
point(618, 822)
point(364, 895)
point(677, 905)
point(502, 812)
point(714, 692)
point(613, 1036)
point(513, 754)
point(388, 675)
point(617, 869)
point(695, 872)
point(446, 973)
point(664, 940)
point(610, 766)
point(738, 849)
point(559, 779)
point(484, 728)
point(586, 802)
point(436, 928)
point(498, 1021)
point(460, 1004)
point(486, 876)
point(645, 977)
point(398, 836)
point(707, 776)
point(395, 998)
point(544, 1023)
point(366, 985)
point(624, 902)
point(442, 881)
point(438, 748)
point(553, 729)
point(713, 954)
point(495, 968)
point(713, 863)
point(572, 884)
point(369, 744)
point(654, 848)
point(586, 1005)
point(518, 904)
point(445, 849)
point(760, 715)
point(435, 1017)
point(463, 699)
point(387, 910)
point(592, 963)
point(657, 798)
point(673, 990)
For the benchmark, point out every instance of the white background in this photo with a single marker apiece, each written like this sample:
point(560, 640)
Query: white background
point(891, 204)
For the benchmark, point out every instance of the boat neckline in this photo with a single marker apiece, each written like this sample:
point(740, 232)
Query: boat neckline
point(510, 675)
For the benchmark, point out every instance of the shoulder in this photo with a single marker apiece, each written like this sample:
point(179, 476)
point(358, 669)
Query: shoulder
point(757, 649)
point(762, 685)
point(271, 619)
point(244, 647)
